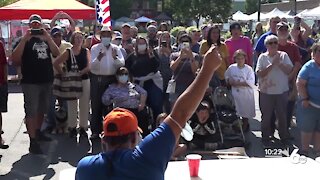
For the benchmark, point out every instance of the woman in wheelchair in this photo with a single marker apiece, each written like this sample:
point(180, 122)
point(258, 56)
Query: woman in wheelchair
point(126, 94)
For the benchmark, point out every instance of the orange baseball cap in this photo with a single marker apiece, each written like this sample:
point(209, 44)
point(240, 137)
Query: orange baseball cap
point(120, 122)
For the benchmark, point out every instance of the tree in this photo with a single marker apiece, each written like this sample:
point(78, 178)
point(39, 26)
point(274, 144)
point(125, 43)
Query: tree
point(7, 2)
point(216, 10)
point(251, 6)
point(120, 8)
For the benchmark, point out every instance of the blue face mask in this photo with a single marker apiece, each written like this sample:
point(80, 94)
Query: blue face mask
point(123, 78)
point(106, 41)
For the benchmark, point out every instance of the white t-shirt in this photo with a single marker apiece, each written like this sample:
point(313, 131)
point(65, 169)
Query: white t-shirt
point(276, 81)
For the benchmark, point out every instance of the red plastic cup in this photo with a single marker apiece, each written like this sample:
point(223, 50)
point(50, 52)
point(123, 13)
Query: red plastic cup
point(194, 162)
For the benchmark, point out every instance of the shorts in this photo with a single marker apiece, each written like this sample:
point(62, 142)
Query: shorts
point(308, 119)
point(36, 98)
point(4, 97)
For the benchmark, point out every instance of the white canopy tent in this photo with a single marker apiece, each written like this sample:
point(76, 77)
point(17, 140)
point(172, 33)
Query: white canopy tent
point(240, 16)
point(254, 16)
point(312, 13)
point(276, 12)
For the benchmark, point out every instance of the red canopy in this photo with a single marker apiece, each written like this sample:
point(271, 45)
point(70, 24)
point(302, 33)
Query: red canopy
point(46, 9)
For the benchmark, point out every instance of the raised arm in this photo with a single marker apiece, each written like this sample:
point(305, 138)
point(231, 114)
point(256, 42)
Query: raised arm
point(189, 100)
point(18, 51)
point(63, 15)
point(61, 59)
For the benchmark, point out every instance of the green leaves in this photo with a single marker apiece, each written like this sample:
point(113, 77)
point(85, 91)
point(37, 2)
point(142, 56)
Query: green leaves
point(216, 10)
point(6, 2)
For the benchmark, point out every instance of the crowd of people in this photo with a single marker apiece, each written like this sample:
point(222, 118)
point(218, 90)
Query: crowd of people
point(147, 75)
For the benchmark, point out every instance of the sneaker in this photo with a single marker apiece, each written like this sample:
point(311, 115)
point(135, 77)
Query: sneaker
point(35, 148)
point(72, 132)
point(94, 136)
point(83, 132)
point(42, 137)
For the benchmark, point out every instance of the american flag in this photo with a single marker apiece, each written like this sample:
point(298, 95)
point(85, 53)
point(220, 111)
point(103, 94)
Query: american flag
point(103, 12)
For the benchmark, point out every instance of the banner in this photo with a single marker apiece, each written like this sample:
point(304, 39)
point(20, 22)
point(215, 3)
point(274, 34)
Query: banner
point(103, 12)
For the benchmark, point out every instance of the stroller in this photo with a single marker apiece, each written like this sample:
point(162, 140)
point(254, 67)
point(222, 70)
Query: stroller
point(229, 123)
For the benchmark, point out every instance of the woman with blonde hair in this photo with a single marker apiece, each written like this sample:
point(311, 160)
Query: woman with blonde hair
point(82, 57)
point(240, 77)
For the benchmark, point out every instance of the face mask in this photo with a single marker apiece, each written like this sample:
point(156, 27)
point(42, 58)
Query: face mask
point(142, 47)
point(117, 42)
point(123, 78)
point(106, 41)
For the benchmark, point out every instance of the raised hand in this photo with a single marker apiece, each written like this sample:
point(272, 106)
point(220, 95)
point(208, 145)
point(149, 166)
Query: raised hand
point(212, 58)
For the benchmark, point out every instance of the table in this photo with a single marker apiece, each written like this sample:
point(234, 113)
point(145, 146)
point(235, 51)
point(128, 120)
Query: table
point(251, 168)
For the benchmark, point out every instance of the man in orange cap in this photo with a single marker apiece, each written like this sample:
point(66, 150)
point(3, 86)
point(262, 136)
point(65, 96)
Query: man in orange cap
point(125, 156)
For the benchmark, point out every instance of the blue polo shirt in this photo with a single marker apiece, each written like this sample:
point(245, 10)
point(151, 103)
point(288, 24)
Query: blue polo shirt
point(147, 161)
point(260, 47)
point(310, 72)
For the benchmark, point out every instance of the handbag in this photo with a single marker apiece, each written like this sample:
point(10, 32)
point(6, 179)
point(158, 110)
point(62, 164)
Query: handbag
point(171, 88)
point(68, 86)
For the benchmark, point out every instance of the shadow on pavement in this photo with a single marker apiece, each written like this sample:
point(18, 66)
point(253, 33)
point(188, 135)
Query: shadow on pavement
point(61, 149)
point(68, 150)
point(29, 166)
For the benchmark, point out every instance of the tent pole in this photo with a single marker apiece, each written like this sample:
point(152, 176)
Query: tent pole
point(259, 9)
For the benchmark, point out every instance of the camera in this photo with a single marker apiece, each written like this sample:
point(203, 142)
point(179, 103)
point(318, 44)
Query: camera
point(36, 32)
point(164, 43)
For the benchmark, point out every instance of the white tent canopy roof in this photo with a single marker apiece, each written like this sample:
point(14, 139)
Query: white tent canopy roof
point(311, 14)
point(254, 16)
point(240, 16)
point(277, 12)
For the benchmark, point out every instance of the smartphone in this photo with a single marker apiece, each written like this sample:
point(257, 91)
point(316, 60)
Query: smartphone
point(164, 43)
point(36, 32)
point(186, 45)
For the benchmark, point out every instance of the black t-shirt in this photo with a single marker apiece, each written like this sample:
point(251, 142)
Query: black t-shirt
point(141, 65)
point(36, 67)
point(81, 60)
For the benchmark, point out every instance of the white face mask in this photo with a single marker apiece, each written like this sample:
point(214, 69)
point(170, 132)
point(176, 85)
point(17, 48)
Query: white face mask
point(142, 48)
point(106, 41)
point(123, 78)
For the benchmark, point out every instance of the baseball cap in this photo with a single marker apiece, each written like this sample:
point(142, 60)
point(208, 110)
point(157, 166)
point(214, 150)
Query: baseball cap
point(126, 25)
point(235, 25)
point(120, 122)
point(118, 35)
point(151, 28)
point(35, 18)
point(106, 29)
point(282, 24)
point(55, 30)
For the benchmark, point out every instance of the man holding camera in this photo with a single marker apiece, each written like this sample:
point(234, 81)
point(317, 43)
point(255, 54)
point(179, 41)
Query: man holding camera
point(33, 54)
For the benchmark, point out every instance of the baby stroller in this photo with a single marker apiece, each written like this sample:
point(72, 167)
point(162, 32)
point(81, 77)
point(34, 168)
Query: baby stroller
point(229, 123)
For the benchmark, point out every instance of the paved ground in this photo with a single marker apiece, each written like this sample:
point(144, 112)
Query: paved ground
point(64, 152)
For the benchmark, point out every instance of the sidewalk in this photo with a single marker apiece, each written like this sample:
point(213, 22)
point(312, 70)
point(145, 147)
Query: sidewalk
point(64, 152)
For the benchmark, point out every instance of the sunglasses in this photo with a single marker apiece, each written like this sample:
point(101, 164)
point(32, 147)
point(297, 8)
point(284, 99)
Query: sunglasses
point(57, 35)
point(124, 74)
point(273, 42)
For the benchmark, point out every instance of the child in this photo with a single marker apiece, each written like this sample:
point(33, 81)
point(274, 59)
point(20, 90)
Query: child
point(241, 79)
point(206, 136)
